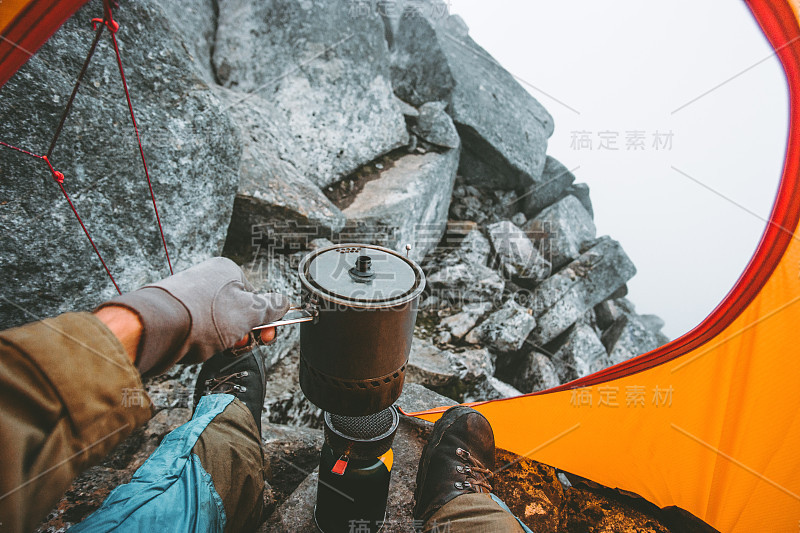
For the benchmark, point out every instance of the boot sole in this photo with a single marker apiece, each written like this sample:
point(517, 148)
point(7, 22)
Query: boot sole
point(443, 424)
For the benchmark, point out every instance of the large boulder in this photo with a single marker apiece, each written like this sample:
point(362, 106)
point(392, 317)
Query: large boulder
point(324, 70)
point(192, 149)
point(506, 329)
point(273, 196)
point(561, 230)
point(503, 129)
point(491, 389)
point(563, 298)
point(406, 202)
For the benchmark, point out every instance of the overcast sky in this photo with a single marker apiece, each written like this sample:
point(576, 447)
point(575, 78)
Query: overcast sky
point(626, 73)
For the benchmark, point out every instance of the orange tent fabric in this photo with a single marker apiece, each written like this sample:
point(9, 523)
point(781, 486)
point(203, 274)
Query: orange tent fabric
point(25, 25)
point(711, 421)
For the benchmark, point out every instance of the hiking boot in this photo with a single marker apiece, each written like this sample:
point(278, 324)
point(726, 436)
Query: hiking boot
point(239, 372)
point(458, 459)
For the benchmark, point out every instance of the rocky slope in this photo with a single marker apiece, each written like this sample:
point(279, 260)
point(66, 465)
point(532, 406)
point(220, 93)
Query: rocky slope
point(273, 128)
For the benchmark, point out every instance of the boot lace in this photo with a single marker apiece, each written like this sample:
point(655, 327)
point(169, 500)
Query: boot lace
point(225, 384)
point(472, 466)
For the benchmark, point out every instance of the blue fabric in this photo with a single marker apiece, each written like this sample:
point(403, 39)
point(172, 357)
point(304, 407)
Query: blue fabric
point(171, 491)
point(502, 504)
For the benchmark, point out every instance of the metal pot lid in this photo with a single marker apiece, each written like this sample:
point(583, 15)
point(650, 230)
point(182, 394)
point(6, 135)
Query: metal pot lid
point(362, 275)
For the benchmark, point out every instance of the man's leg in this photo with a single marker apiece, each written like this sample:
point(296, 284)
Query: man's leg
point(453, 494)
point(208, 474)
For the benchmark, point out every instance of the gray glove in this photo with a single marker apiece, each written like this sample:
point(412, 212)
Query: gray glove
point(197, 313)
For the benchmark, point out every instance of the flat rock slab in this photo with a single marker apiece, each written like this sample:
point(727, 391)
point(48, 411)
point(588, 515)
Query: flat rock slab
point(406, 203)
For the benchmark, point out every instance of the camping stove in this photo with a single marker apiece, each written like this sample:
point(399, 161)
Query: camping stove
point(361, 302)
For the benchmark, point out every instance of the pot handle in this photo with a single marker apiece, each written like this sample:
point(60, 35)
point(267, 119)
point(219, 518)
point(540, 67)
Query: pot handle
point(298, 314)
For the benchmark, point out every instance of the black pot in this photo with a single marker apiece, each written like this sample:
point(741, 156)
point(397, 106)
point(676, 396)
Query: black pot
point(353, 356)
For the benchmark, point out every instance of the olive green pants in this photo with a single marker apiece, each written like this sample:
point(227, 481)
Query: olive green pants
point(473, 513)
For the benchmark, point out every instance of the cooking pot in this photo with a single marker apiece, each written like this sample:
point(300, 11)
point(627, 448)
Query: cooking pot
point(359, 306)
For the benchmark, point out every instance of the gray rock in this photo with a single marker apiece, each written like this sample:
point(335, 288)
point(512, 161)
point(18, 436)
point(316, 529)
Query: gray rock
point(518, 219)
point(429, 366)
point(317, 244)
point(628, 337)
point(198, 26)
point(407, 203)
point(581, 354)
point(503, 129)
point(491, 389)
point(416, 397)
point(564, 297)
point(461, 276)
point(285, 403)
point(459, 324)
point(291, 453)
point(581, 192)
point(406, 109)
point(447, 372)
point(531, 373)
point(606, 313)
point(297, 511)
point(561, 230)
point(435, 126)
point(552, 185)
point(47, 264)
point(273, 195)
point(506, 329)
point(172, 390)
point(519, 259)
point(483, 205)
point(474, 248)
point(392, 12)
point(652, 322)
point(323, 70)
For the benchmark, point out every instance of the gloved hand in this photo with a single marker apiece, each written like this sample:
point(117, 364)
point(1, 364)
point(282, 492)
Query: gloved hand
point(197, 313)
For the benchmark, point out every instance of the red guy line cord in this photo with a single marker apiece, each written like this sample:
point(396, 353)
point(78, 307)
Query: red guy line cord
point(113, 26)
point(59, 179)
